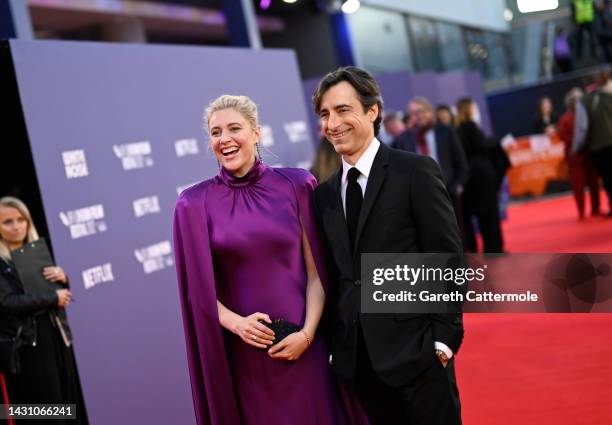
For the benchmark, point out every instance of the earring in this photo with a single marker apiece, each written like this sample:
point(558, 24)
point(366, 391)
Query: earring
point(219, 164)
point(258, 151)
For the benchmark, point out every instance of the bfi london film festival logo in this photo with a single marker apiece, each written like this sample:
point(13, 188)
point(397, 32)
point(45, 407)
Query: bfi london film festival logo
point(98, 274)
point(186, 147)
point(155, 257)
point(297, 131)
point(134, 155)
point(75, 164)
point(145, 206)
point(85, 221)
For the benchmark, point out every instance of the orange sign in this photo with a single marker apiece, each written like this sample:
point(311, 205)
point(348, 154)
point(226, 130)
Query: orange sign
point(535, 160)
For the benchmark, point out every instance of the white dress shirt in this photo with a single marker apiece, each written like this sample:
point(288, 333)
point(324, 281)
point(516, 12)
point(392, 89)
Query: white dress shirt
point(364, 165)
point(430, 139)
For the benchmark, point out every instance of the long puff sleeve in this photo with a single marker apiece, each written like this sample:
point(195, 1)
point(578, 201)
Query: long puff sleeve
point(304, 185)
point(211, 382)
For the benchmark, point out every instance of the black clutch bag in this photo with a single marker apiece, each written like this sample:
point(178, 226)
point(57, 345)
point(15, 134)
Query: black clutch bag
point(281, 330)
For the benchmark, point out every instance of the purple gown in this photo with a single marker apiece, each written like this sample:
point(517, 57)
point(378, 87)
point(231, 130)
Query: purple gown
point(238, 239)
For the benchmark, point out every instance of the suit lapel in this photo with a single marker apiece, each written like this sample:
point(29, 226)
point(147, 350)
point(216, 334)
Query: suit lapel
point(337, 216)
point(375, 181)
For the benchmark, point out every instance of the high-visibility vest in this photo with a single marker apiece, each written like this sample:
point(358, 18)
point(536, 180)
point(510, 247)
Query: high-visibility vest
point(583, 11)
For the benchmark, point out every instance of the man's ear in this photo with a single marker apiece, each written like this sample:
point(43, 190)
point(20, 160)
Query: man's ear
point(373, 112)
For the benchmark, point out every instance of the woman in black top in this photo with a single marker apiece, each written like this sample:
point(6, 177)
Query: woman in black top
point(48, 373)
point(480, 192)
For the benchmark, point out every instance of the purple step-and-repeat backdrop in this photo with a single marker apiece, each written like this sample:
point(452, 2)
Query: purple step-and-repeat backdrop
point(116, 132)
point(399, 87)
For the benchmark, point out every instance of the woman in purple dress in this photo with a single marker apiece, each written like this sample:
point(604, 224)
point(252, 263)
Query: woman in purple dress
point(247, 250)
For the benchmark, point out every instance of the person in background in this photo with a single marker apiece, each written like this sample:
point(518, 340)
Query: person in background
point(603, 28)
point(408, 121)
point(599, 142)
point(440, 142)
point(48, 372)
point(480, 194)
point(562, 51)
point(326, 161)
point(394, 125)
point(444, 115)
point(546, 119)
point(582, 173)
point(583, 16)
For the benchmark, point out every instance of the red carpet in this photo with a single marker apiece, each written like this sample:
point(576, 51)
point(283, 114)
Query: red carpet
point(540, 369)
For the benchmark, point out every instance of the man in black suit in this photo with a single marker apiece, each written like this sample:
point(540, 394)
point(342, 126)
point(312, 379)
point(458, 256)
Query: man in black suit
point(438, 141)
point(384, 200)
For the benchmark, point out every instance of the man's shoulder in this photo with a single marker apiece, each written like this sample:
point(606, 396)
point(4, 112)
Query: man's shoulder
point(403, 159)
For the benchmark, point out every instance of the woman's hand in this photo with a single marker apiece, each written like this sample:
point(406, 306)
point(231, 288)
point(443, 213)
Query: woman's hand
point(254, 333)
point(291, 348)
point(64, 296)
point(54, 274)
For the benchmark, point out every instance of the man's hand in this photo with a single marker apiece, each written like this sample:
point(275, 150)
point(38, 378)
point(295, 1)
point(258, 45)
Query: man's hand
point(442, 357)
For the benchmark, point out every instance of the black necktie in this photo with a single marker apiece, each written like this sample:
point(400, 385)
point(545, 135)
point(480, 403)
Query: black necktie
point(354, 199)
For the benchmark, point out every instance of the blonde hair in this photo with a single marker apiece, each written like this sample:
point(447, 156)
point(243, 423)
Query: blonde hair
point(32, 233)
point(326, 161)
point(241, 104)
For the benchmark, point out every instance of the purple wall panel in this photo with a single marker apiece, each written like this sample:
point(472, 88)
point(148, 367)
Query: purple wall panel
point(115, 129)
point(396, 90)
point(424, 84)
point(451, 86)
point(309, 87)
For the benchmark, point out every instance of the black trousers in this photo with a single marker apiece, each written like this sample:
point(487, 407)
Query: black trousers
point(431, 399)
point(480, 200)
point(586, 27)
point(48, 376)
point(602, 159)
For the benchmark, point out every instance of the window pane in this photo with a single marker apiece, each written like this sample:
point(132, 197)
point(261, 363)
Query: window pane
point(452, 48)
point(380, 40)
point(425, 43)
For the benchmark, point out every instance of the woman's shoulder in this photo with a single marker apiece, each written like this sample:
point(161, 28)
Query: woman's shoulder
point(195, 191)
point(297, 176)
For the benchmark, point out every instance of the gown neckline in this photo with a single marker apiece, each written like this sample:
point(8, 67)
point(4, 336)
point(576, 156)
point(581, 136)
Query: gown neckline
point(250, 178)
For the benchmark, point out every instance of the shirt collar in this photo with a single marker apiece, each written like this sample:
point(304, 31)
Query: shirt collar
point(364, 164)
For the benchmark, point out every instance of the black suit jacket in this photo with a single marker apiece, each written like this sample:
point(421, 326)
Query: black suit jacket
point(451, 156)
point(406, 209)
